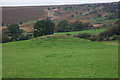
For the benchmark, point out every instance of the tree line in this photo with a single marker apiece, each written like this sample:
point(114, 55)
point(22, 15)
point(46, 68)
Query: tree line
point(41, 28)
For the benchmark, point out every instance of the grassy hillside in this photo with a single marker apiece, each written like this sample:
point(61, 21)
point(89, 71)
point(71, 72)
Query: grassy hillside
point(60, 57)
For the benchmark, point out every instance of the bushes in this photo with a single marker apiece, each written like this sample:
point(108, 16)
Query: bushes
point(5, 38)
point(64, 26)
point(25, 37)
point(88, 36)
point(110, 32)
point(116, 37)
point(84, 35)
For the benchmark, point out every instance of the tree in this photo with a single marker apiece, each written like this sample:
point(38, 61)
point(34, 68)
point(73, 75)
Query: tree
point(5, 37)
point(43, 27)
point(14, 31)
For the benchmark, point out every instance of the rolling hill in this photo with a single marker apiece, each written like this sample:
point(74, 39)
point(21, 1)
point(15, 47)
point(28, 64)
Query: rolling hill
point(98, 15)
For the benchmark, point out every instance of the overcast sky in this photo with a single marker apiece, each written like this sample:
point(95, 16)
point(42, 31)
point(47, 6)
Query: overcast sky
point(49, 2)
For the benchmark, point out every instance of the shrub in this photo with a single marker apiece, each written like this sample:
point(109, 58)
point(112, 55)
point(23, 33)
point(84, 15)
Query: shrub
point(14, 29)
point(116, 37)
point(5, 38)
point(79, 26)
point(84, 35)
point(110, 32)
point(68, 34)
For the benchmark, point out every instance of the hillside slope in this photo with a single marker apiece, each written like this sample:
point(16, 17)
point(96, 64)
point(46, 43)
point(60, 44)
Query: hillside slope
point(98, 15)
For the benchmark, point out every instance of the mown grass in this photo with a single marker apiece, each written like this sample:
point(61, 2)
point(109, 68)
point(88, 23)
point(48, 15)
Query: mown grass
point(92, 31)
point(60, 57)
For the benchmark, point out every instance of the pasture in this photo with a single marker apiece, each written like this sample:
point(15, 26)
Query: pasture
point(59, 56)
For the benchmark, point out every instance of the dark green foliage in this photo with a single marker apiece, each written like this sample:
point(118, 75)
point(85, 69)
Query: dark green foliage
point(14, 29)
point(43, 27)
point(20, 23)
point(68, 34)
point(84, 35)
point(116, 37)
point(5, 38)
point(79, 25)
point(37, 33)
point(64, 26)
point(12, 33)
point(24, 37)
point(110, 32)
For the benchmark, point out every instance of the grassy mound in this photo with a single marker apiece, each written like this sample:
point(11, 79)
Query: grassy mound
point(57, 56)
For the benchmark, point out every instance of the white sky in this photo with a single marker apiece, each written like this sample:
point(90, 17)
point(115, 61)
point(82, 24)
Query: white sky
point(49, 2)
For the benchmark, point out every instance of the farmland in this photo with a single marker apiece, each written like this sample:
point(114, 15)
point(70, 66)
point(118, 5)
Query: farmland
point(60, 57)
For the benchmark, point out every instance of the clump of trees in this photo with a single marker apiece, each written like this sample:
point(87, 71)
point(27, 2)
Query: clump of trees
point(43, 27)
point(64, 26)
point(12, 33)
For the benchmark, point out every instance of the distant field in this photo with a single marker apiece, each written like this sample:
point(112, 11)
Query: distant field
point(22, 14)
point(60, 57)
point(92, 31)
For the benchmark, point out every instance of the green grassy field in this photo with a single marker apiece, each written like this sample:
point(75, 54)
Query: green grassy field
point(60, 57)
point(92, 31)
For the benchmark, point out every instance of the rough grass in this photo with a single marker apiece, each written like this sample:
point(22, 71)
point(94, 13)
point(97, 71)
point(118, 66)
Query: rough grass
point(92, 31)
point(57, 56)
